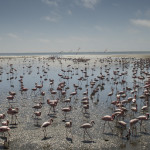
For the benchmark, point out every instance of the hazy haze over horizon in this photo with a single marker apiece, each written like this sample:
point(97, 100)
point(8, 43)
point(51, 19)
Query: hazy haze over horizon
point(71, 25)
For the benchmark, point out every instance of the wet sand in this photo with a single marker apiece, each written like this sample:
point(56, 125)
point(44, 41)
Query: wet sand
point(28, 134)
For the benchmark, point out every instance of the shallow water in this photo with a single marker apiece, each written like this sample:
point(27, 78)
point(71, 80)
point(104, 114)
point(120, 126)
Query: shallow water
point(28, 133)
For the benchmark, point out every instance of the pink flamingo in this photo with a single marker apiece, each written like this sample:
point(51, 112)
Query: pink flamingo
point(67, 100)
point(33, 90)
point(134, 109)
point(45, 125)
point(4, 129)
point(5, 123)
point(37, 106)
point(53, 93)
point(85, 107)
point(42, 94)
point(142, 118)
point(65, 110)
point(68, 125)
point(145, 107)
point(13, 112)
point(2, 116)
point(52, 104)
point(24, 92)
point(37, 114)
point(123, 126)
point(12, 93)
point(108, 118)
point(132, 124)
point(110, 95)
point(86, 93)
point(11, 97)
point(39, 86)
point(74, 93)
point(86, 126)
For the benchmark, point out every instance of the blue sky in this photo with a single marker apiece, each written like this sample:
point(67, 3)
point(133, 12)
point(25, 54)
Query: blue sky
point(66, 25)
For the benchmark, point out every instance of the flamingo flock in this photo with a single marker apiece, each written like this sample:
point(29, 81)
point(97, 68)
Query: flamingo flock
point(116, 87)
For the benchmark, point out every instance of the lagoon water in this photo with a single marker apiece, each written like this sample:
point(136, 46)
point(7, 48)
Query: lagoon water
point(99, 68)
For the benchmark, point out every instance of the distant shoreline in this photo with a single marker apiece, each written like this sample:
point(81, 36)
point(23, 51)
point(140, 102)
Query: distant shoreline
point(78, 53)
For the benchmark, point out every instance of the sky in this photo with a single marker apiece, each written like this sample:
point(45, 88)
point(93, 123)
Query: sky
point(72, 25)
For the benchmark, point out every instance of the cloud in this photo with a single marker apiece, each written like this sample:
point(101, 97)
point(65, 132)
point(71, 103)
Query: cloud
point(53, 17)
point(1, 38)
point(51, 2)
point(88, 3)
point(12, 35)
point(50, 18)
point(141, 22)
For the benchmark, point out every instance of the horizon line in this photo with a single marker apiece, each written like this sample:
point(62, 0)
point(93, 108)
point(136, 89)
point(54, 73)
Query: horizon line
point(61, 52)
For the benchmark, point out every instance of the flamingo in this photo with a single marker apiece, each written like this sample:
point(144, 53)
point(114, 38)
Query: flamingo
point(37, 106)
point(37, 114)
point(134, 109)
point(67, 100)
point(33, 90)
point(65, 110)
point(4, 129)
point(5, 123)
point(123, 126)
point(110, 95)
point(145, 107)
point(45, 125)
point(12, 93)
point(42, 94)
point(142, 118)
point(52, 104)
point(13, 111)
point(85, 107)
point(2, 116)
point(39, 86)
point(68, 125)
point(86, 92)
point(11, 97)
point(132, 124)
point(119, 113)
point(108, 119)
point(73, 93)
point(86, 126)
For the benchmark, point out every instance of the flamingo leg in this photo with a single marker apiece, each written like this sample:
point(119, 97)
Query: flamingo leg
point(8, 133)
point(44, 130)
point(17, 119)
point(65, 116)
point(88, 134)
point(71, 133)
point(104, 127)
point(49, 110)
point(140, 125)
point(84, 135)
point(121, 133)
point(110, 127)
point(11, 119)
point(144, 128)
point(53, 109)
point(132, 129)
point(66, 133)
